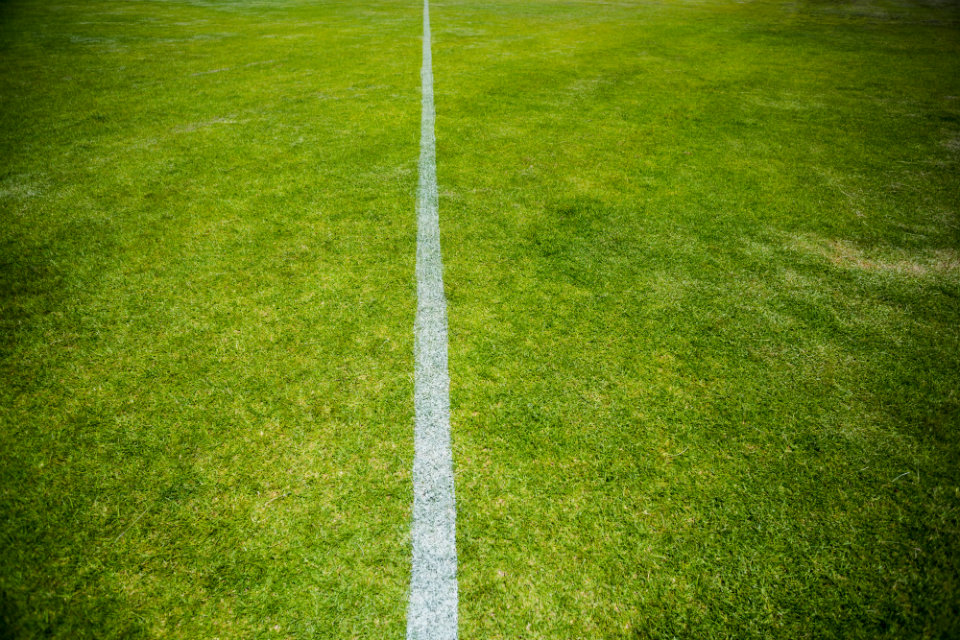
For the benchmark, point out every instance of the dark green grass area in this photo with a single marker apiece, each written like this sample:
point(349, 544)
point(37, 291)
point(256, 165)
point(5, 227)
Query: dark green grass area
point(206, 300)
point(702, 262)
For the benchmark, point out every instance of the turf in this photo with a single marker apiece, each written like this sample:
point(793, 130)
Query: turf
point(703, 316)
point(207, 312)
point(703, 278)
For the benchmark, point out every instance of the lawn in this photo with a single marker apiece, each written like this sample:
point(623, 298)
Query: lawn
point(207, 310)
point(703, 276)
point(702, 261)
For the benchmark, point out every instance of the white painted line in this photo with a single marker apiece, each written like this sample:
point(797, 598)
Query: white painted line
point(432, 611)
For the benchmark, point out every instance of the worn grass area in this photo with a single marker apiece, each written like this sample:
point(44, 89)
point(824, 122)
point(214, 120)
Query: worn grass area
point(206, 296)
point(702, 261)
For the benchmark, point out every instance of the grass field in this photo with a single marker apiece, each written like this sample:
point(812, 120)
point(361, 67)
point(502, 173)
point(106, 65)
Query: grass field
point(704, 305)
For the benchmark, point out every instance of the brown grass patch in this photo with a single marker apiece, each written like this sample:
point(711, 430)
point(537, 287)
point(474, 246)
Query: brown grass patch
point(846, 255)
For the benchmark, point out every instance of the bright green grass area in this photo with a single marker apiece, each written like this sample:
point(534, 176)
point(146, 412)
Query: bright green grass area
point(206, 293)
point(703, 279)
point(702, 262)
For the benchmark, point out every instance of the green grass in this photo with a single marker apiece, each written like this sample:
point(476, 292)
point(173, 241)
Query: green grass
point(206, 313)
point(703, 279)
point(704, 336)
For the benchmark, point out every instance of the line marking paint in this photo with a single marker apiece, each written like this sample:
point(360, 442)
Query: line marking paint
point(432, 610)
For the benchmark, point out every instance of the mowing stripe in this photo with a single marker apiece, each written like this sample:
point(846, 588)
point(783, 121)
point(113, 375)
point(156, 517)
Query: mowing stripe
point(432, 611)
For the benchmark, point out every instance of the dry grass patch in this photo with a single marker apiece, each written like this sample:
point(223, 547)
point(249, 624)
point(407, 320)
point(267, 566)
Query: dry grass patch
point(847, 255)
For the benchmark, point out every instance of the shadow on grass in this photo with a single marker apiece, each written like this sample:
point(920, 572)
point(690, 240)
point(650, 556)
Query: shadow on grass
point(41, 277)
point(84, 619)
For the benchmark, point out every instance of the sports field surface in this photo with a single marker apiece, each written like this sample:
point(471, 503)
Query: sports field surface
point(702, 272)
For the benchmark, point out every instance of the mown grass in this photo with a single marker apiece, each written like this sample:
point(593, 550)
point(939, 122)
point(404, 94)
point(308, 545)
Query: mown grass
point(703, 277)
point(207, 307)
point(701, 261)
